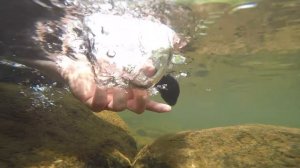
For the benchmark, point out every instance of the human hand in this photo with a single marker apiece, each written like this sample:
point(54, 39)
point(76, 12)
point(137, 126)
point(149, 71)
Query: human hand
point(82, 83)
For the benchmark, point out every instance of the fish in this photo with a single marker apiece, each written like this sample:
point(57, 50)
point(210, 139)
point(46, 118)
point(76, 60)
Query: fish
point(132, 47)
point(122, 49)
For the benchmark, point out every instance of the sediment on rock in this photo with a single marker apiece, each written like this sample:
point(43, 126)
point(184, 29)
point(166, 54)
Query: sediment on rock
point(236, 146)
point(64, 135)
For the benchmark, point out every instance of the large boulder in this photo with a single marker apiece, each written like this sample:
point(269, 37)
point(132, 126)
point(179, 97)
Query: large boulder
point(65, 134)
point(236, 146)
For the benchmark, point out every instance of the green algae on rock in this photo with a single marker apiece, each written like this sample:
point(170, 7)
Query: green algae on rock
point(236, 146)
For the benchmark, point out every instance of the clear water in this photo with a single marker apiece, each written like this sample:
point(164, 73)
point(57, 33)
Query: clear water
point(244, 67)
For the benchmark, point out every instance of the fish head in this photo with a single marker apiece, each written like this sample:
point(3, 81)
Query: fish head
point(128, 51)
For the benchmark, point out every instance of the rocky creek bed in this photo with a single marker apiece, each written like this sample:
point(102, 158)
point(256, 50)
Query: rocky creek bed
point(69, 135)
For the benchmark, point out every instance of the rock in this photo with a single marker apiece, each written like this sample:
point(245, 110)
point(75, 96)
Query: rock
point(65, 135)
point(234, 32)
point(236, 146)
point(114, 119)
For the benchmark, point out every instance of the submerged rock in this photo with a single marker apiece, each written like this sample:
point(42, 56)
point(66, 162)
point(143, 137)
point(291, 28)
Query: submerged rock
point(63, 135)
point(69, 135)
point(236, 146)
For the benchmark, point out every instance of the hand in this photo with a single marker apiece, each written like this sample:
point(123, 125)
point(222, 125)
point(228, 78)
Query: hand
point(82, 84)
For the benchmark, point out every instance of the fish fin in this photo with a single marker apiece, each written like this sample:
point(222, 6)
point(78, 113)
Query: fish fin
point(168, 88)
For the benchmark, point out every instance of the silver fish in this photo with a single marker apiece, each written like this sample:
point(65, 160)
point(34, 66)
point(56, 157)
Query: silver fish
point(123, 50)
point(129, 51)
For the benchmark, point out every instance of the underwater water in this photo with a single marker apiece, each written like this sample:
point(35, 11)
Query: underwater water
point(242, 67)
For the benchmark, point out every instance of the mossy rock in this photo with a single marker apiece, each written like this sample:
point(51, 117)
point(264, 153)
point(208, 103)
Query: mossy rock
point(236, 146)
point(65, 135)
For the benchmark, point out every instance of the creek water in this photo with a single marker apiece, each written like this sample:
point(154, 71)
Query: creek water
point(243, 67)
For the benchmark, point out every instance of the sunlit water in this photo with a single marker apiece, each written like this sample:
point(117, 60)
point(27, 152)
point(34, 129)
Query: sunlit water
point(243, 68)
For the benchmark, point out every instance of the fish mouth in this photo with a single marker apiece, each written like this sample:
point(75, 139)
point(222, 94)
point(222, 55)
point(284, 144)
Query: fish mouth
point(144, 78)
point(141, 73)
point(151, 72)
point(143, 85)
point(110, 74)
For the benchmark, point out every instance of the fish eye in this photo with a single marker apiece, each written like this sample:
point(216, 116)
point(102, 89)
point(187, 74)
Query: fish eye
point(111, 53)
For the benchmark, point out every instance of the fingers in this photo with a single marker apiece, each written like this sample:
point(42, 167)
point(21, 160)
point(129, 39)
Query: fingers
point(150, 105)
point(158, 107)
point(82, 84)
point(117, 99)
point(138, 101)
point(98, 101)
